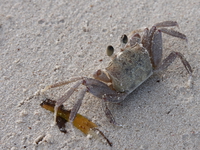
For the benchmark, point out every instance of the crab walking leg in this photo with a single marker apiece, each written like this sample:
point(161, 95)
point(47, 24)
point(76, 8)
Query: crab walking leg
point(61, 83)
point(76, 107)
point(108, 112)
point(149, 34)
point(172, 56)
point(114, 98)
point(173, 33)
point(61, 100)
point(166, 24)
point(157, 25)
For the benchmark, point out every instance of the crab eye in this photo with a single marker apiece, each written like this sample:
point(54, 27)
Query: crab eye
point(110, 50)
point(124, 39)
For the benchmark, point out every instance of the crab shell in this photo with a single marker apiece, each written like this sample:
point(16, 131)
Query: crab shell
point(130, 68)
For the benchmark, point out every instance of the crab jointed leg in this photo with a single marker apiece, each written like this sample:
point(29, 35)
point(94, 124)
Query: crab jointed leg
point(172, 56)
point(95, 87)
point(152, 41)
point(104, 92)
point(76, 107)
point(61, 83)
point(65, 97)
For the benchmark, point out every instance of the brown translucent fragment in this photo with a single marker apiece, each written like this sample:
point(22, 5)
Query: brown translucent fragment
point(80, 122)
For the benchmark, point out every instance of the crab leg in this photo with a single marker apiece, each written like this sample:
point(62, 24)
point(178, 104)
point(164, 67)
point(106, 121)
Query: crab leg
point(166, 24)
point(172, 56)
point(148, 34)
point(61, 83)
point(61, 100)
point(173, 33)
point(103, 91)
point(76, 107)
point(108, 112)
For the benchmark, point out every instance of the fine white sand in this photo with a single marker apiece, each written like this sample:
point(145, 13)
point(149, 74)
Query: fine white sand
point(43, 42)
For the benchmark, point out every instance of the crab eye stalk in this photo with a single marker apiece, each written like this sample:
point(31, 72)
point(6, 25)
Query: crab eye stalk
point(124, 39)
point(110, 50)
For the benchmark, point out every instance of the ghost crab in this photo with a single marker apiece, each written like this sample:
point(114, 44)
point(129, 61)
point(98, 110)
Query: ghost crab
point(139, 58)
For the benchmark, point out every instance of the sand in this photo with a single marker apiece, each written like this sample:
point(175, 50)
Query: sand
point(43, 42)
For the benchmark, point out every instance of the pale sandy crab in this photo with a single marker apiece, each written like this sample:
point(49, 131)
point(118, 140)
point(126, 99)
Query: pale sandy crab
point(139, 58)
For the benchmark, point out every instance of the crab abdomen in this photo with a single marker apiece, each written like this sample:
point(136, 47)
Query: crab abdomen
point(130, 69)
